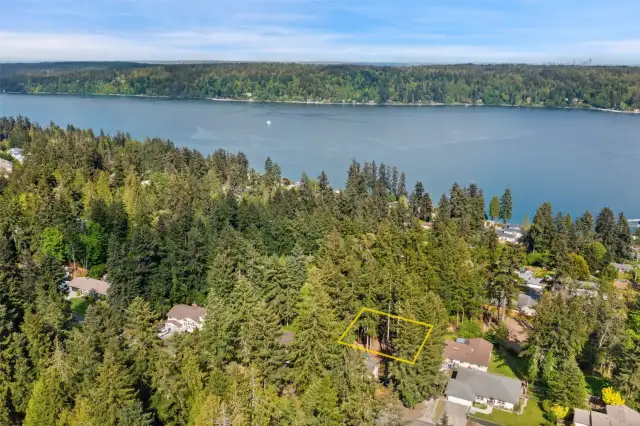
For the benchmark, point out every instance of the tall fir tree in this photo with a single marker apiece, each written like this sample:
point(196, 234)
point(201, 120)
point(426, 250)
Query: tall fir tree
point(313, 349)
point(506, 205)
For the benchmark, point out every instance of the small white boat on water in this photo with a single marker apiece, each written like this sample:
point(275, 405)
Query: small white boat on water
point(268, 122)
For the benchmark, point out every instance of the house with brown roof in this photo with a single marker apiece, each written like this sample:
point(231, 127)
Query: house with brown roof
point(467, 353)
point(86, 285)
point(183, 318)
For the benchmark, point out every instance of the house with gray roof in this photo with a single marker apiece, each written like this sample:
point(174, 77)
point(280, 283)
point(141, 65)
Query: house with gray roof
point(16, 153)
point(527, 301)
point(468, 386)
point(622, 267)
point(615, 415)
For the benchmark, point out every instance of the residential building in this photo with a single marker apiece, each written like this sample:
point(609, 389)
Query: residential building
point(6, 167)
point(86, 285)
point(622, 267)
point(16, 153)
point(468, 386)
point(183, 318)
point(531, 281)
point(509, 233)
point(615, 415)
point(467, 353)
point(527, 301)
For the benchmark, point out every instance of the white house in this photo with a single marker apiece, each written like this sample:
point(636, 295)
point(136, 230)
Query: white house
point(16, 153)
point(183, 318)
point(509, 234)
point(468, 386)
point(467, 353)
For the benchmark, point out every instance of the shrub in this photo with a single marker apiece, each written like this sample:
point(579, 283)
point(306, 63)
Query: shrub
point(578, 268)
point(537, 258)
point(554, 411)
point(611, 397)
point(469, 329)
point(97, 271)
point(559, 411)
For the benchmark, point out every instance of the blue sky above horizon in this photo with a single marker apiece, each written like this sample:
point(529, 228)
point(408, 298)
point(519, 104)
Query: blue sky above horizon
point(412, 31)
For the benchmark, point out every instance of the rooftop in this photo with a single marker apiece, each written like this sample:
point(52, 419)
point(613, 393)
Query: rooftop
point(616, 415)
point(528, 297)
point(468, 384)
point(473, 351)
point(623, 266)
point(87, 284)
point(181, 312)
point(287, 338)
point(624, 415)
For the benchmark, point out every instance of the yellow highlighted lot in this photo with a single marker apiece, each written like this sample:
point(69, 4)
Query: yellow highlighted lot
point(360, 348)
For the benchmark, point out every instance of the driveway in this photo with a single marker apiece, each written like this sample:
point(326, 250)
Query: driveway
point(457, 414)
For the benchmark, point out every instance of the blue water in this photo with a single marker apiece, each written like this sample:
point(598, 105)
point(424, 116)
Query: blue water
point(577, 160)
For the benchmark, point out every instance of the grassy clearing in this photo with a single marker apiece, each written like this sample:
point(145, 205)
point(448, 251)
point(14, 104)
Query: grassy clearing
point(506, 364)
point(79, 305)
point(532, 416)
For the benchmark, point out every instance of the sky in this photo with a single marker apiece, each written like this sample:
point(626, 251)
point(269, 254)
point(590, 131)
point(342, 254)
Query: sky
point(404, 31)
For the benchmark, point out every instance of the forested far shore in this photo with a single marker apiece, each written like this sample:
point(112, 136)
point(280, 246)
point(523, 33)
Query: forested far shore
point(281, 269)
point(615, 88)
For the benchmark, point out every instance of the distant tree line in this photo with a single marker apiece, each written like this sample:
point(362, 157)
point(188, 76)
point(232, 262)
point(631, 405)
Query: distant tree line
point(508, 84)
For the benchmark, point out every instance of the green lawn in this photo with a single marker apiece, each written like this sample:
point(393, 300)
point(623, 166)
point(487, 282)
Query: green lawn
point(532, 416)
point(506, 364)
point(79, 305)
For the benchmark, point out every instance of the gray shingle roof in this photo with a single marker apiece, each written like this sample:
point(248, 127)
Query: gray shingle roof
point(623, 414)
point(599, 419)
point(528, 299)
point(581, 416)
point(623, 266)
point(469, 383)
point(460, 390)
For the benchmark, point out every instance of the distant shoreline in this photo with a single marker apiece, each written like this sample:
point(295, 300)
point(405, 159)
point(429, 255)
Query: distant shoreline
point(368, 104)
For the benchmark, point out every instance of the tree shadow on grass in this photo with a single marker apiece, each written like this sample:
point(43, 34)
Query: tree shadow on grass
point(517, 365)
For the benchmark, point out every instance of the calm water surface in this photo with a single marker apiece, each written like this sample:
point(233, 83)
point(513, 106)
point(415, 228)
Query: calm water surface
point(577, 160)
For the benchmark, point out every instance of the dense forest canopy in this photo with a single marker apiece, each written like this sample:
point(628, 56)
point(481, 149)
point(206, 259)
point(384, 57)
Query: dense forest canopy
point(167, 225)
point(507, 84)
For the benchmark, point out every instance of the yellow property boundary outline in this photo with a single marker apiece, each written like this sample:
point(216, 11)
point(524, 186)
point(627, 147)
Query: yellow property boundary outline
point(363, 310)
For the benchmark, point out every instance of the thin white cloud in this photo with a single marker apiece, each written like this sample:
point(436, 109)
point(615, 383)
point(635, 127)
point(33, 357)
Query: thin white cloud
point(238, 45)
point(621, 47)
